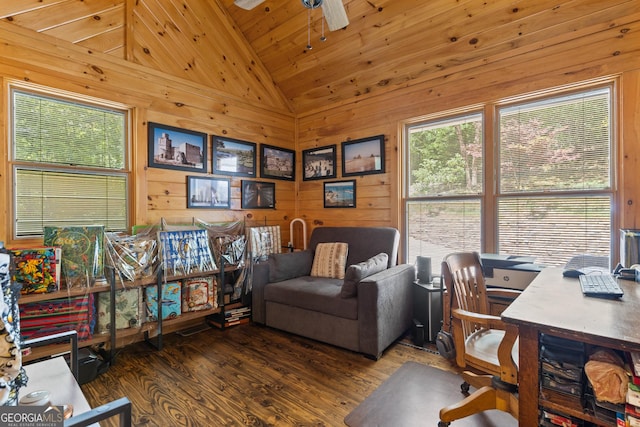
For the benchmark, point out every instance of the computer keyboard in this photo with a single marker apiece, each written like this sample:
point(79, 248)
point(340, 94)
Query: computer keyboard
point(600, 285)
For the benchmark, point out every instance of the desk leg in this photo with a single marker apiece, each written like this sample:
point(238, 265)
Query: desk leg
point(528, 380)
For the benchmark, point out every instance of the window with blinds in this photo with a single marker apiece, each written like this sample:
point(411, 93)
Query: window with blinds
point(69, 164)
point(444, 186)
point(555, 192)
point(551, 176)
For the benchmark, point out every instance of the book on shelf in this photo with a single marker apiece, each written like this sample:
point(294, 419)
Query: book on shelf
point(635, 360)
point(634, 374)
point(632, 415)
point(232, 318)
point(215, 322)
point(633, 395)
point(237, 311)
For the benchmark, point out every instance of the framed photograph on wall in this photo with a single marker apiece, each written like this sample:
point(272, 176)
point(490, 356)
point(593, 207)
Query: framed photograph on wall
point(319, 163)
point(277, 163)
point(233, 157)
point(174, 148)
point(208, 193)
point(340, 194)
point(258, 195)
point(363, 156)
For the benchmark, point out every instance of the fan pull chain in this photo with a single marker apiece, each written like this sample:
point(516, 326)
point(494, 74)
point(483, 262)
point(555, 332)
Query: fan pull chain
point(309, 29)
point(322, 37)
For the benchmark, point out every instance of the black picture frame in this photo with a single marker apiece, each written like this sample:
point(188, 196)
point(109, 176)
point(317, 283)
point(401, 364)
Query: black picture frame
point(208, 193)
point(277, 163)
point(170, 147)
point(363, 156)
point(258, 194)
point(233, 156)
point(340, 194)
point(319, 163)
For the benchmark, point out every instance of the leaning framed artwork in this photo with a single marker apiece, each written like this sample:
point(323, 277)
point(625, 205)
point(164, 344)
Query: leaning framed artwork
point(340, 194)
point(175, 148)
point(258, 195)
point(208, 193)
point(233, 156)
point(363, 156)
point(277, 163)
point(319, 163)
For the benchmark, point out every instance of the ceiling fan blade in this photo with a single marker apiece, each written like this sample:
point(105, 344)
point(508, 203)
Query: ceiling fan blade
point(334, 14)
point(247, 4)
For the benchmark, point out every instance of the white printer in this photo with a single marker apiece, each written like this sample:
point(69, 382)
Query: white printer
point(509, 271)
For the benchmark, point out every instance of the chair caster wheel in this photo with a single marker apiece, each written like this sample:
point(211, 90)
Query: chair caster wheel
point(443, 424)
point(464, 387)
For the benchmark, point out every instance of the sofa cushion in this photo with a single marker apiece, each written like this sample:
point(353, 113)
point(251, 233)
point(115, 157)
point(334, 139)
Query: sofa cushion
point(330, 260)
point(288, 265)
point(355, 273)
point(319, 294)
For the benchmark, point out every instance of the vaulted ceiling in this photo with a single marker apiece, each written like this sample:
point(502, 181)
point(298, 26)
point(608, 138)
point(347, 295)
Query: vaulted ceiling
point(262, 54)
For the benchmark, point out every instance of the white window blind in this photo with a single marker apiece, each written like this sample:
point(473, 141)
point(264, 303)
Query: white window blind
point(444, 186)
point(549, 185)
point(555, 185)
point(69, 162)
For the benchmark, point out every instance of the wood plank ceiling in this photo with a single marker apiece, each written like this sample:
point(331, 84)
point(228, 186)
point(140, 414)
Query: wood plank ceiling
point(388, 44)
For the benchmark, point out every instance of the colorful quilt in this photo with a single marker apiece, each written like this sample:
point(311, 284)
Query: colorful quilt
point(38, 319)
point(199, 294)
point(171, 301)
point(185, 252)
point(37, 270)
point(128, 309)
point(82, 253)
point(264, 241)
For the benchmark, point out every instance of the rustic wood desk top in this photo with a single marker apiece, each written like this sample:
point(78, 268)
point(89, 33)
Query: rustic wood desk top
point(555, 304)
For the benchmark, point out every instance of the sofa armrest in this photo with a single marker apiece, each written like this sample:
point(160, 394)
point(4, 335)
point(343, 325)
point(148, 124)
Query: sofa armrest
point(385, 307)
point(260, 280)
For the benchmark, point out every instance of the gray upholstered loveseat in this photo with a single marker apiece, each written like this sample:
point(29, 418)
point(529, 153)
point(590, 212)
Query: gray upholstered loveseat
point(285, 295)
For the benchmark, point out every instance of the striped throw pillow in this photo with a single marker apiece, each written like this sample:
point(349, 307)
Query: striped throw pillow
point(330, 260)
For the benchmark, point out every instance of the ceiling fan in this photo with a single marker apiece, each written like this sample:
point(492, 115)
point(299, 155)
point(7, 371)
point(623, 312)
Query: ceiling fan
point(333, 10)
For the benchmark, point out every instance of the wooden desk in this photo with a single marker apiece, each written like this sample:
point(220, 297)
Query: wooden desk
point(554, 305)
point(55, 376)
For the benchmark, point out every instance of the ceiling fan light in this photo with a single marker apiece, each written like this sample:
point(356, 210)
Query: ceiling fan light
point(334, 14)
point(247, 4)
point(312, 4)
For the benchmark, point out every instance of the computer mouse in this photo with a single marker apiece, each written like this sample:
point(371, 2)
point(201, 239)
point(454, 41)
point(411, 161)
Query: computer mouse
point(572, 272)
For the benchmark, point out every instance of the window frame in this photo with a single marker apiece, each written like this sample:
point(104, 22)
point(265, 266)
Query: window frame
point(13, 165)
point(491, 195)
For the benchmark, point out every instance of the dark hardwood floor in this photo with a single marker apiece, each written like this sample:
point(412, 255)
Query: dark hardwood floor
point(247, 375)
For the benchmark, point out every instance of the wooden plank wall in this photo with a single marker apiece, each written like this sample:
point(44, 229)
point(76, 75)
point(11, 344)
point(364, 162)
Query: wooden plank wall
point(153, 96)
point(240, 102)
point(607, 47)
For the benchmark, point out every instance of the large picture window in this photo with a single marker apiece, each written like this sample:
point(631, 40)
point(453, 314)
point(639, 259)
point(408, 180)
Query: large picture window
point(444, 186)
point(549, 187)
point(69, 161)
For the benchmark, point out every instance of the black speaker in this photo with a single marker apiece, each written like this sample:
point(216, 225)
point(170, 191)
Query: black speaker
point(423, 266)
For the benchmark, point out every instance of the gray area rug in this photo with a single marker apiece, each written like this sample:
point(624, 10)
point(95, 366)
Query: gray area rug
point(413, 395)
